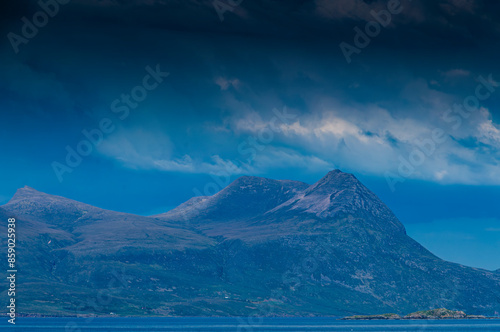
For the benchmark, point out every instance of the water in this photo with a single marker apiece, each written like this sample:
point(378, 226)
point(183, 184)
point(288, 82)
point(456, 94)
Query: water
point(240, 325)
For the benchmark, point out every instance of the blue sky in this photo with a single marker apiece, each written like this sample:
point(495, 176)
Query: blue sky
point(266, 92)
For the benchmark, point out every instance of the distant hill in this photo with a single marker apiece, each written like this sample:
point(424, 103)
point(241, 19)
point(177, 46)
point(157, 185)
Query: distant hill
point(258, 247)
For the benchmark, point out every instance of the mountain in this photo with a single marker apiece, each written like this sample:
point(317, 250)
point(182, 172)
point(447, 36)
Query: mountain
point(256, 195)
point(277, 207)
point(94, 229)
point(69, 252)
point(339, 194)
point(258, 247)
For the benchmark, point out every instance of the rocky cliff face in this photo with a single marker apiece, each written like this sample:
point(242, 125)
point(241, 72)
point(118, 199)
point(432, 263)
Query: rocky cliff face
point(258, 247)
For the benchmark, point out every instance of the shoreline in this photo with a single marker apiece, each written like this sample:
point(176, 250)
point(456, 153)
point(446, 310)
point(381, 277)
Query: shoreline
point(433, 314)
point(351, 318)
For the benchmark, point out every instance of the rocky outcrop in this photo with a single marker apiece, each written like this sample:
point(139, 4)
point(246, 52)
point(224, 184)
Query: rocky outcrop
point(441, 313)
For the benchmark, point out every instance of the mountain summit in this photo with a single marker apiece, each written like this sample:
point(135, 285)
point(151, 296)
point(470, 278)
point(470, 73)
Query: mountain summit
point(244, 198)
point(330, 248)
point(340, 194)
point(252, 200)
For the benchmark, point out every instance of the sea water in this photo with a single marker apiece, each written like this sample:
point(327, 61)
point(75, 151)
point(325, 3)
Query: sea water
point(244, 324)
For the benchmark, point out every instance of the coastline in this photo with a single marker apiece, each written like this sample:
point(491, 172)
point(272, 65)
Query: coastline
point(434, 314)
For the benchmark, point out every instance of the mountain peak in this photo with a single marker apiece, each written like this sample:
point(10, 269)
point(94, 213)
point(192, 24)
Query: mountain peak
point(255, 184)
point(249, 180)
point(340, 194)
point(245, 197)
point(337, 174)
point(333, 181)
point(25, 192)
point(27, 189)
point(33, 204)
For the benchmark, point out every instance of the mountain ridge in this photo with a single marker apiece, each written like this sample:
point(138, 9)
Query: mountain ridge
point(330, 248)
point(335, 195)
point(251, 187)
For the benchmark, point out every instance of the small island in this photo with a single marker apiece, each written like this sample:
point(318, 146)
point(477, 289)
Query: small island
point(441, 313)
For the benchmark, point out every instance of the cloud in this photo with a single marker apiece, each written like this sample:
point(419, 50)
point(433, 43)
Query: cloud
point(360, 10)
point(329, 127)
point(274, 158)
point(216, 166)
point(233, 84)
point(356, 9)
point(225, 83)
point(487, 131)
point(454, 73)
point(137, 148)
point(153, 150)
point(31, 87)
point(118, 3)
point(370, 139)
point(454, 7)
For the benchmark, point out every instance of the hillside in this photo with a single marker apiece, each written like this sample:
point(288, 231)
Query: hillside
point(258, 247)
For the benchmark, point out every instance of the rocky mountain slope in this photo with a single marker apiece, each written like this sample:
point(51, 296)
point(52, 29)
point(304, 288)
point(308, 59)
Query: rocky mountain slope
point(258, 247)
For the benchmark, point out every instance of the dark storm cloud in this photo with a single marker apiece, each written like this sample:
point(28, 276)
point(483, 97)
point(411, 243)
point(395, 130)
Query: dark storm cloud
point(430, 23)
point(420, 22)
point(228, 75)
